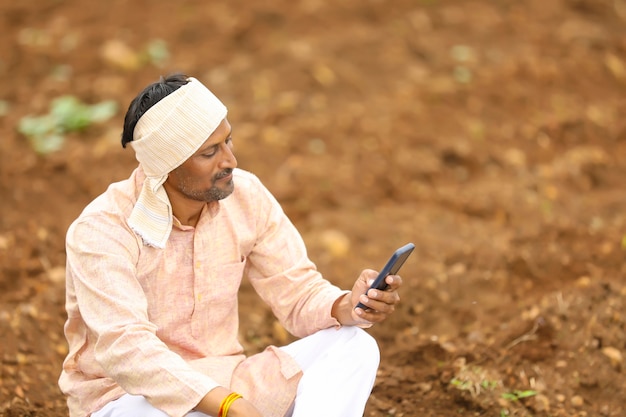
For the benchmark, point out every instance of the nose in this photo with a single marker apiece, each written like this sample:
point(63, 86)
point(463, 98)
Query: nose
point(228, 160)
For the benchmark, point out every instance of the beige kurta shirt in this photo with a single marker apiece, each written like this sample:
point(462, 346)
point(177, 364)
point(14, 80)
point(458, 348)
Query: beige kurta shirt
point(163, 323)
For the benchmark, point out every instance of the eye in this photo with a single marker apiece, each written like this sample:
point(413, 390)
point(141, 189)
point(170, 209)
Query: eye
point(213, 150)
point(210, 152)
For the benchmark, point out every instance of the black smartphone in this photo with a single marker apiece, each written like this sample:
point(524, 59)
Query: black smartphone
point(391, 268)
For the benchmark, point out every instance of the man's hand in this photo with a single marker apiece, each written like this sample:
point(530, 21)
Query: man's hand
point(241, 407)
point(380, 303)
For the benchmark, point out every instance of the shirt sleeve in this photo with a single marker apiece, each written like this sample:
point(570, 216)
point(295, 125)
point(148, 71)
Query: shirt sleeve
point(101, 259)
point(283, 275)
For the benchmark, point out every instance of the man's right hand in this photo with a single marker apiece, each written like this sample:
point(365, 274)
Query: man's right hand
point(241, 407)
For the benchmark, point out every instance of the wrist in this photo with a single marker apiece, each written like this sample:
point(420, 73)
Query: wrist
point(342, 310)
point(211, 402)
point(226, 403)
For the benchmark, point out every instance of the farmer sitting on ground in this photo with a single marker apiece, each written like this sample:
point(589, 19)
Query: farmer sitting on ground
point(154, 266)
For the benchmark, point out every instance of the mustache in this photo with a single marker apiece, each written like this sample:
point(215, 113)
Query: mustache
point(224, 173)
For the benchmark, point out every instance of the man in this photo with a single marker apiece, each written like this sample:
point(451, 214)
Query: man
point(153, 270)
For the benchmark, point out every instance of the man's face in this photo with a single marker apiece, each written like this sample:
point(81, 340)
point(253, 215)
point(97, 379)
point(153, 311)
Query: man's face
point(207, 175)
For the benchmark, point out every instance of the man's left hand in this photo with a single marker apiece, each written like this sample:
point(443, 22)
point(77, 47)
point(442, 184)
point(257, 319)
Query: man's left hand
point(380, 303)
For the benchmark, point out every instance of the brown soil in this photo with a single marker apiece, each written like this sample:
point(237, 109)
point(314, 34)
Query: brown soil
point(489, 133)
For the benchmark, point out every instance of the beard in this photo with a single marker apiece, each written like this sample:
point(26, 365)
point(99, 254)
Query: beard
point(214, 193)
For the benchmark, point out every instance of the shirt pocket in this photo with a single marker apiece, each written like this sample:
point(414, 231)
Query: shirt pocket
point(215, 296)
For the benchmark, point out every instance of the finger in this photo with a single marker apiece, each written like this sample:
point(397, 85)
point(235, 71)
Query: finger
point(394, 281)
point(376, 305)
point(388, 297)
point(371, 316)
point(369, 275)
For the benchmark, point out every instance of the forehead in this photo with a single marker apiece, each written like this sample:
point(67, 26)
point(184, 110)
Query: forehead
point(220, 134)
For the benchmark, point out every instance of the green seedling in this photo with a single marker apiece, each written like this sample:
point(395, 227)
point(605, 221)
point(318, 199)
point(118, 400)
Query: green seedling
point(489, 385)
point(67, 114)
point(462, 385)
point(474, 388)
point(157, 52)
point(517, 395)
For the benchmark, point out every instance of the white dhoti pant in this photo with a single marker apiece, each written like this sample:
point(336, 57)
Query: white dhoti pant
point(339, 369)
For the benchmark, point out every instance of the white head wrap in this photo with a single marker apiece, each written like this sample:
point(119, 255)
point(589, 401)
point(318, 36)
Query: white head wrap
point(166, 136)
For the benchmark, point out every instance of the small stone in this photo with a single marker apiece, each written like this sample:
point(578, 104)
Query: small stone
point(56, 274)
point(425, 387)
point(457, 269)
point(335, 242)
point(577, 401)
point(542, 403)
point(61, 349)
point(583, 282)
point(21, 359)
point(118, 54)
point(614, 355)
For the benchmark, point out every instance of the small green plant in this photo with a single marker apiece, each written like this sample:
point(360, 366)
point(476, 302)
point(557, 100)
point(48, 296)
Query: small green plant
point(475, 388)
point(157, 52)
point(489, 385)
point(67, 114)
point(475, 380)
point(517, 395)
point(462, 385)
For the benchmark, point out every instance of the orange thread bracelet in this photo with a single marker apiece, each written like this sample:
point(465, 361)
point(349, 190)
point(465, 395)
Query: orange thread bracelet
point(226, 403)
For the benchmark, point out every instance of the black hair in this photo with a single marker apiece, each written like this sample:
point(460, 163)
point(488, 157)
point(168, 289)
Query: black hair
point(151, 95)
